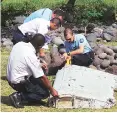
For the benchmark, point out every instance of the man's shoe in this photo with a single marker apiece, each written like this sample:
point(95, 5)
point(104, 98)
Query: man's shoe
point(16, 100)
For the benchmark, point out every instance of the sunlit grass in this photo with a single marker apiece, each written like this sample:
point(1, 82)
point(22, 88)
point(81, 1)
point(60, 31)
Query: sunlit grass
point(6, 90)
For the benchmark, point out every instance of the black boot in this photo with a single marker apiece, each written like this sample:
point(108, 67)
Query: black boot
point(16, 100)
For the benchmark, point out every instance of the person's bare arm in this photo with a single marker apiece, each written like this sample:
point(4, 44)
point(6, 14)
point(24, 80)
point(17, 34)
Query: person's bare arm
point(48, 85)
point(77, 51)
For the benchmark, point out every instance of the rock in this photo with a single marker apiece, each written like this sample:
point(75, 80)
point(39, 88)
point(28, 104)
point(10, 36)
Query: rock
point(111, 47)
point(91, 37)
point(98, 30)
point(99, 68)
point(54, 50)
point(93, 67)
point(9, 47)
point(62, 29)
point(99, 51)
point(75, 29)
point(7, 43)
point(102, 55)
point(62, 51)
point(112, 32)
point(115, 49)
point(95, 48)
point(19, 19)
point(114, 25)
point(105, 63)
point(92, 44)
point(62, 36)
point(97, 62)
point(107, 37)
point(114, 62)
point(112, 69)
point(110, 58)
point(115, 55)
point(47, 58)
point(3, 40)
point(57, 41)
point(108, 51)
point(90, 27)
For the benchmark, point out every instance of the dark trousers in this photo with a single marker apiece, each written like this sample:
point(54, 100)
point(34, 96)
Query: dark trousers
point(32, 89)
point(83, 59)
point(17, 36)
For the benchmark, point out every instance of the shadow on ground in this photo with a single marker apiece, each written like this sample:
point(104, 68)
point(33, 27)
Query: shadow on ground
point(3, 78)
point(6, 100)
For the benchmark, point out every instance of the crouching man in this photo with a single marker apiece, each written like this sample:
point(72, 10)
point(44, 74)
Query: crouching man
point(25, 74)
point(77, 49)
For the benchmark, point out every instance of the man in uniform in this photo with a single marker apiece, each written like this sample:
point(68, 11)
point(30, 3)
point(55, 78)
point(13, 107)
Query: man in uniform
point(37, 25)
point(25, 74)
point(77, 49)
point(46, 14)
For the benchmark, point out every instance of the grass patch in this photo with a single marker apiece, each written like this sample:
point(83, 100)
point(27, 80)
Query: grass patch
point(6, 90)
point(108, 43)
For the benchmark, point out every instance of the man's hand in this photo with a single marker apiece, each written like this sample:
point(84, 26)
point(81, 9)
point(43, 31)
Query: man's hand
point(44, 65)
point(48, 85)
point(65, 55)
point(54, 93)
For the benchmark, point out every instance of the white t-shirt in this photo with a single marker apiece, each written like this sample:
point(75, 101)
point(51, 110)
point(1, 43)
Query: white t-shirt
point(37, 25)
point(23, 62)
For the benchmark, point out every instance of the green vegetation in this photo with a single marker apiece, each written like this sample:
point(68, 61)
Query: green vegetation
point(11, 8)
point(87, 11)
point(84, 10)
point(6, 90)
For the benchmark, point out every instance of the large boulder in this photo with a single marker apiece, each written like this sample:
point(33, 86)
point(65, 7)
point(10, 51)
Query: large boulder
point(105, 63)
point(115, 62)
point(112, 32)
point(114, 25)
point(99, 51)
point(91, 37)
point(112, 69)
point(110, 58)
point(115, 49)
point(107, 37)
point(115, 55)
point(97, 61)
point(109, 51)
point(102, 55)
point(57, 41)
point(19, 19)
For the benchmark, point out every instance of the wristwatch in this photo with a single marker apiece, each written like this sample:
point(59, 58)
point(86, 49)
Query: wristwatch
point(68, 54)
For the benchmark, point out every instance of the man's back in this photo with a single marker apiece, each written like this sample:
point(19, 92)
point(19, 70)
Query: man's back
point(38, 25)
point(21, 58)
point(44, 13)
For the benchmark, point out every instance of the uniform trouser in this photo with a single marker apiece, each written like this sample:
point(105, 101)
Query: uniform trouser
point(32, 89)
point(17, 36)
point(83, 59)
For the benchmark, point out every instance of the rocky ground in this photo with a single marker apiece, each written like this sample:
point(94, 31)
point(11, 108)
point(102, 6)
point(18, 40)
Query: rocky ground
point(105, 56)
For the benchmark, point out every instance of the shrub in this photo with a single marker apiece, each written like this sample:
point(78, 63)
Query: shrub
point(11, 8)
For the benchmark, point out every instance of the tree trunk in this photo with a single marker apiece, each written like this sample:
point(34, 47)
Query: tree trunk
point(71, 2)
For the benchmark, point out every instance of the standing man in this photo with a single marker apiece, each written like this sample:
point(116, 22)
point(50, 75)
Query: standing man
point(46, 14)
point(25, 75)
point(37, 25)
point(77, 49)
